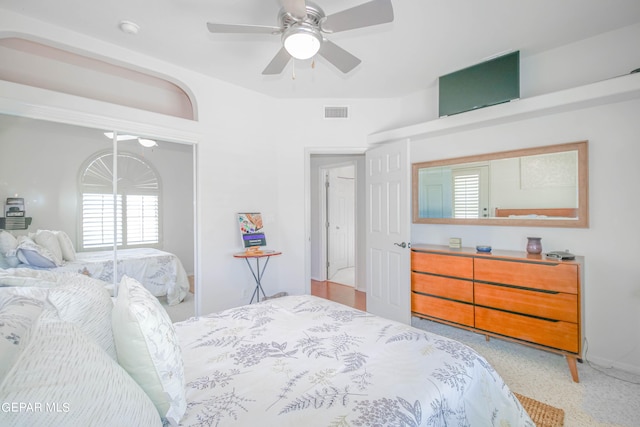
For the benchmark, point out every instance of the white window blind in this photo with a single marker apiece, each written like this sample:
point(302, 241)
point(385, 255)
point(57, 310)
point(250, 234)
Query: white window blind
point(466, 195)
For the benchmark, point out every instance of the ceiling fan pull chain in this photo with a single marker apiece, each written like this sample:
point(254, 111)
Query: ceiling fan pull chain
point(293, 69)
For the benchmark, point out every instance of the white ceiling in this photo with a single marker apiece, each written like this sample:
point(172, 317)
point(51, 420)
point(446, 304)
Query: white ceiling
point(428, 38)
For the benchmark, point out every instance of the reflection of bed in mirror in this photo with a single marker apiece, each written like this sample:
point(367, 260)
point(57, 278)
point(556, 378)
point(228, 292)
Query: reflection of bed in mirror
point(550, 213)
point(160, 272)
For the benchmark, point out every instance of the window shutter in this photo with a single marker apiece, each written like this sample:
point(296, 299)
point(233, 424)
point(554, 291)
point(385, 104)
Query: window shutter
point(466, 195)
point(97, 220)
point(142, 219)
point(138, 203)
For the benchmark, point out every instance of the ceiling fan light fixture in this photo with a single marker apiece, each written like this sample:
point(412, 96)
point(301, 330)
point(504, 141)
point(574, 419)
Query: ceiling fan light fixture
point(148, 143)
point(302, 41)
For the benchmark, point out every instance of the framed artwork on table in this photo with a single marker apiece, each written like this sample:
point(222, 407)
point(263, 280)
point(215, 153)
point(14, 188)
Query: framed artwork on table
point(251, 231)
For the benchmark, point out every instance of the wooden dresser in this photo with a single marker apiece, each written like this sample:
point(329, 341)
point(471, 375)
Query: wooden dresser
point(530, 299)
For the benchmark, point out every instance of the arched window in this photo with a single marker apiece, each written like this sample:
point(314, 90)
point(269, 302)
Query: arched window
point(136, 207)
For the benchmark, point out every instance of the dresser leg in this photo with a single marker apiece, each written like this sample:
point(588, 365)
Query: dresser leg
point(573, 367)
point(487, 337)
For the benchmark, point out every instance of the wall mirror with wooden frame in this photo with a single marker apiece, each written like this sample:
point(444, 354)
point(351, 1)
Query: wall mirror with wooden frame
point(542, 187)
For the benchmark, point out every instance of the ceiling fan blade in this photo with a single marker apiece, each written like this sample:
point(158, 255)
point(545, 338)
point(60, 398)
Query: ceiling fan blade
point(278, 62)
point(295, 8)
point(372, 13)
point(340, 58)
point(242, 28)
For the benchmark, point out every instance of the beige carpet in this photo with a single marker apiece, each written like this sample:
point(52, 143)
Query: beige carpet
point(543, 415)
point(604, 397)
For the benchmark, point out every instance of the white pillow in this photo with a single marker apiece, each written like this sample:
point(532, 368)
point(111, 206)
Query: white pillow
point(72, 297)
point(8, 242)
point(29, 277)
point(18, 315)
point(148, 348)
point(29, 252)
point(86, 302)
point(4, 264)
point(83, 386)
point(66, 245)
point(48, 240)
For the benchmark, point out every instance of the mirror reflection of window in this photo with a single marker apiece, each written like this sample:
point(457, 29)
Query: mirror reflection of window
point(137, 204)
point(546, 184)
point(470, 192)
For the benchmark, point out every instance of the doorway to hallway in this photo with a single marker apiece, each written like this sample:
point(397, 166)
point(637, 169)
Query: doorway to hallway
point(337, 218)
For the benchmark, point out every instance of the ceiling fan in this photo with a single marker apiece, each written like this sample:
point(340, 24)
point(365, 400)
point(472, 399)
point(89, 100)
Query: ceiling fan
point(303, 25)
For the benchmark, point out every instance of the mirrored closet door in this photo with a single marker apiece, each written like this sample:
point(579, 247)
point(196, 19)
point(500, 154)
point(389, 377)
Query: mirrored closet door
point(144, 201)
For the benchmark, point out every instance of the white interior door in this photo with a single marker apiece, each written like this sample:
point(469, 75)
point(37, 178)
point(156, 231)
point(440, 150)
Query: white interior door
point(388, 231)
point(340, 225)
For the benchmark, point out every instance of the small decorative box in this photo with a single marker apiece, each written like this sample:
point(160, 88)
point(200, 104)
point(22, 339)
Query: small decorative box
point(455, 242)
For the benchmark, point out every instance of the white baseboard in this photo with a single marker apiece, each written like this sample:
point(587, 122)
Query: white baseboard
point(606, 364)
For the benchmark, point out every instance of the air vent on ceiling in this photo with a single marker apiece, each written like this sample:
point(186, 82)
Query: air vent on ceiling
point(336, 112)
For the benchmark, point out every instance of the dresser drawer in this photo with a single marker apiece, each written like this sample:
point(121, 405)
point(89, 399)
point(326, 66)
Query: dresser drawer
point(447, 287)
point(546, 276)
point(447, 265)
point(557, 306)
point(556, 334)
point(451, 311)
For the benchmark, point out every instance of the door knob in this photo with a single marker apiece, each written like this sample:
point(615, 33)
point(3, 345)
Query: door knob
point(402, 245)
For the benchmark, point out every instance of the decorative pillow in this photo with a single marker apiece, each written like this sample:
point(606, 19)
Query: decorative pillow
point(29, 252)
point(28, 277)
point(8, 242)
point(11, 259)
point(48, 240)
point(8, 293)
point(66, 245)
point(4, 264)
point(148, 348)
point(85, 301)
point(76, 383)
point(18, 315)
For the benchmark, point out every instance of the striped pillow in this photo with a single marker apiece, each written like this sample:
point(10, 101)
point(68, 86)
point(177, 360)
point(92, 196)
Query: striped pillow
point(18, 315)
point(71, 297)
point(86, 302)
point(68, 380)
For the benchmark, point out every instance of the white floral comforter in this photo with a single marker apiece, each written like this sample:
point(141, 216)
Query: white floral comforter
point(306, 361)
point(160, 272)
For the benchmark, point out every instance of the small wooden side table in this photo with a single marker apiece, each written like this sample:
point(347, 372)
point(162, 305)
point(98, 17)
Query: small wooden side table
point(257, 272)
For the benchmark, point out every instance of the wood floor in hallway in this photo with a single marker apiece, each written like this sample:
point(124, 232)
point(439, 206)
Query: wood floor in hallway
point(343, 294)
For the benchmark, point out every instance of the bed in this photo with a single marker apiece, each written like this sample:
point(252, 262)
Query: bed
point(322, 361)
point(290, 361)
point(162, 273)
point(561, 213)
